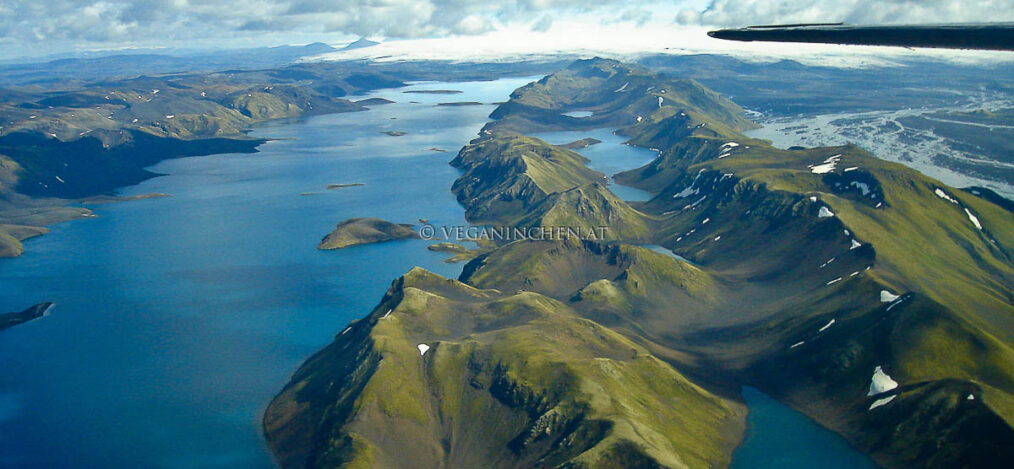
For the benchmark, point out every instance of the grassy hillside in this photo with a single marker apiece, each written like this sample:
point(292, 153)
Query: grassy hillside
point(408, 385)
point(505, 177)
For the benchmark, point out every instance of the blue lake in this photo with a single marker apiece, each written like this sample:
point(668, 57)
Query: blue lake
point(178, 319)
point(609, 157)
point(778, 437)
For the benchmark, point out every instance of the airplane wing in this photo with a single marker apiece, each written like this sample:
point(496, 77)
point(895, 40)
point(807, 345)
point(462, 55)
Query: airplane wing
point(984, 36)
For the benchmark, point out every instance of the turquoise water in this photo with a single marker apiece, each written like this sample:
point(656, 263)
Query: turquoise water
point(178, 319)
point(778, 437)
point(609, 157)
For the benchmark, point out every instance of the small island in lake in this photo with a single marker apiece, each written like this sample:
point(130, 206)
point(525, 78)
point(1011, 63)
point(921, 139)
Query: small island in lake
point(13, 319)
point(395, 133)
point(461, 103)
point(341, 186)
point(374, 102)
point(579, 144)
point(356, 231)
point(432, 92)
point(110, 199)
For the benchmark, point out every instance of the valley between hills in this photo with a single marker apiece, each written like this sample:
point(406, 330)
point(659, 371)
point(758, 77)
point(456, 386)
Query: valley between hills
point(874, 299)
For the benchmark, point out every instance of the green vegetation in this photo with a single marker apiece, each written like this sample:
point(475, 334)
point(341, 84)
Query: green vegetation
point(505, 177)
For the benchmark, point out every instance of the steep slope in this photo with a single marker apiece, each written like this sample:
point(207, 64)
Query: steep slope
point(851, 225)
point(505, 177)
point(408, 385)
point(525, 182)
point(593, 209)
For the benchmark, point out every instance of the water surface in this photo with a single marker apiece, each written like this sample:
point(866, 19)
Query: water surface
point(609, 157)
point(778, 437)
point(178, 319)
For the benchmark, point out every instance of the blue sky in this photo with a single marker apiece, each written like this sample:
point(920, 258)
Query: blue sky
point(35, 28)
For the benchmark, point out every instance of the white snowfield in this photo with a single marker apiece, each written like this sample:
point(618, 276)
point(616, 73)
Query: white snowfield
point(887, 297)
point(855, 244)
point(943, 195)
point(881, 382)
point(422, 349)
point(828, 165)
point(829, 324)
point(974, 219)
point(825, 213)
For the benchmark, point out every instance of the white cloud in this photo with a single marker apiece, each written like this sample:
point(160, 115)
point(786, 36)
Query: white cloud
point(46, 26)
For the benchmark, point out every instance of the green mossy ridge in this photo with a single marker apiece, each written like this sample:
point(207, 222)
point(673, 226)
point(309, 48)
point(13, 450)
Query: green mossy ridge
point(922, 243)
point(525, 182)
point(590, 207)
point(505, 177)
point(550, 387)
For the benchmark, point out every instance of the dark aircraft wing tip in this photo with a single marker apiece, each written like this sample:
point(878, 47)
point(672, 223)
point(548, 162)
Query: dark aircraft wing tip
point(981, 36)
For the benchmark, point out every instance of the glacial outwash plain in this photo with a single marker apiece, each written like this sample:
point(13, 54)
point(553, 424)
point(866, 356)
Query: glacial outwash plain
point(872, 298)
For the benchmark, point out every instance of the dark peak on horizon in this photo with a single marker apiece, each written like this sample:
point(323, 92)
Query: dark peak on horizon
point(360, 43)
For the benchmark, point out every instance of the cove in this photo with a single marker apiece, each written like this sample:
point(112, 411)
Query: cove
point(779, 437)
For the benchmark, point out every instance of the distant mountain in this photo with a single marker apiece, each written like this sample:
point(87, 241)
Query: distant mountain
point(155, 62)
point(359, 44)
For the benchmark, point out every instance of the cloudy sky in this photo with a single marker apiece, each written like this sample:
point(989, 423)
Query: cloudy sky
point(41, 27)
